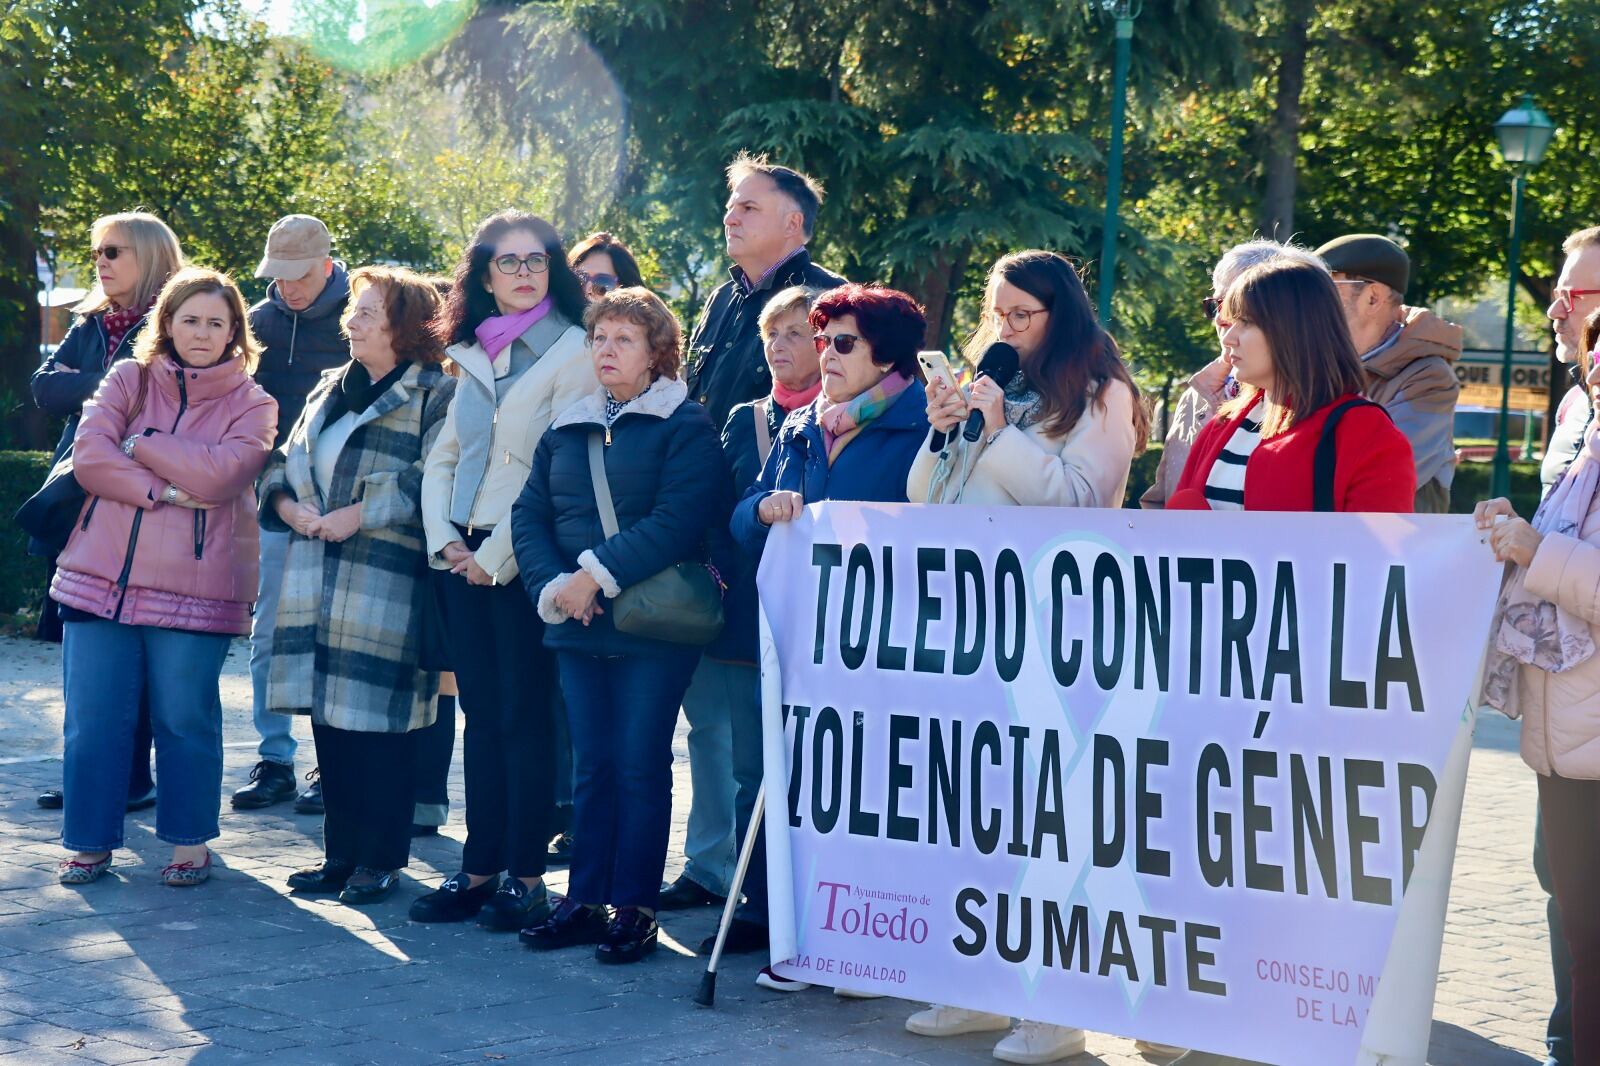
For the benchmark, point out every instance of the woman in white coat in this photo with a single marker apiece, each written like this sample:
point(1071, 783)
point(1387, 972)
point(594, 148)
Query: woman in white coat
point(1063, 433)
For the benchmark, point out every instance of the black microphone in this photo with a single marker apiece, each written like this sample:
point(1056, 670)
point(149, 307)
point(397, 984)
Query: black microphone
point(1000, 363)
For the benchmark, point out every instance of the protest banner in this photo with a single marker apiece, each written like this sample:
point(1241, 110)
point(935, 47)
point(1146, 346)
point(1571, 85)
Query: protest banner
point(1157, 774)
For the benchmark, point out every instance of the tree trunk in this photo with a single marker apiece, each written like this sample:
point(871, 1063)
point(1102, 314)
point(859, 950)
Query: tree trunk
point(20, 330)
point(1283, 141)
point(934, 287)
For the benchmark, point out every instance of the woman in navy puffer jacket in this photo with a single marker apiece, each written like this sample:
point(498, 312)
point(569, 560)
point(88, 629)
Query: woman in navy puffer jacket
point(670, 488)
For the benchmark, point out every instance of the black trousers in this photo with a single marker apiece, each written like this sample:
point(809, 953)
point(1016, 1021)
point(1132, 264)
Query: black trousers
point(366, 796)
point(506, 679)
point(433, 748)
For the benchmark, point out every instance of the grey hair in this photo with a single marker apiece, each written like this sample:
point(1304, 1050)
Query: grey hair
point(794, 298)
point(1241, 257)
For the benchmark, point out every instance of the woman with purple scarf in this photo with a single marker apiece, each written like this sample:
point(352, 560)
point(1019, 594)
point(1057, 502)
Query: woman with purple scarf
point(512, 323)
point(857, 439)
point(1542, 668)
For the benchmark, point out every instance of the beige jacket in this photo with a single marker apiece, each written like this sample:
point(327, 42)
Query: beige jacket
point(1088, 467)
point(1561, 712)
point(563, 375)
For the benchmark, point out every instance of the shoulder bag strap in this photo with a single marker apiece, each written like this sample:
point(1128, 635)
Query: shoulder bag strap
point(1327, 458)
point(602, 487)
point(763, 433)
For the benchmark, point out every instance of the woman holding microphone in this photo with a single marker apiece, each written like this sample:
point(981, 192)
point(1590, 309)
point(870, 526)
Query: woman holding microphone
point(1062, 433)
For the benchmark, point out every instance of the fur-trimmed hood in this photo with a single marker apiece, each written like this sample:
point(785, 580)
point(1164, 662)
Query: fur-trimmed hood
point(664, 396)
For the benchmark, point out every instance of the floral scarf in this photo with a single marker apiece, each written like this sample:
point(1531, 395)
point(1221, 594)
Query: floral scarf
point(1530, 630)
point(842, 421)
point(118, 321)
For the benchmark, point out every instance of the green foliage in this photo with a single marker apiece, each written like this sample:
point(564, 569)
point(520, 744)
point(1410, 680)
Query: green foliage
point(22, 578)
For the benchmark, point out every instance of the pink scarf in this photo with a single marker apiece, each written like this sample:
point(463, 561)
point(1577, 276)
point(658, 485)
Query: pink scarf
point(794, 399)
point(1530, 630)
point(497, 332)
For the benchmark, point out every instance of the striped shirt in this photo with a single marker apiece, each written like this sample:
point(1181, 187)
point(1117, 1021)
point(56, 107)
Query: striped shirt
point(1225, 483)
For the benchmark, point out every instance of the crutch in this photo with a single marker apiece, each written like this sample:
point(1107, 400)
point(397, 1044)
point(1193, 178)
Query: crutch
point(706, 995)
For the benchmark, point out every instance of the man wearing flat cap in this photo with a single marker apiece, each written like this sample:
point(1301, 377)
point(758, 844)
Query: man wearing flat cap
point(298, 327)
point(1406, 352)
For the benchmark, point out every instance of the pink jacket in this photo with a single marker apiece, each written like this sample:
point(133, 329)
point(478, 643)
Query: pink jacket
point(137, 560)
point(1561, 712)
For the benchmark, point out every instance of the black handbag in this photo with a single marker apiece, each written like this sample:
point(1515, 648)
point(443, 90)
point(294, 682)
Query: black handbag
point(48, 515)
point(680, 605)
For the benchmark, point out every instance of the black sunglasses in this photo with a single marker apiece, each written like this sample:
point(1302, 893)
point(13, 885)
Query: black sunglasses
point(843, 343)
point(110, 251)
point(1212, 304)
point(602, 283)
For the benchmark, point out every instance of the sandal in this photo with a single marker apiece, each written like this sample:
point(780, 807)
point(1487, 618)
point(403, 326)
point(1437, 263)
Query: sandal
point(186, 874)
point(73, 872)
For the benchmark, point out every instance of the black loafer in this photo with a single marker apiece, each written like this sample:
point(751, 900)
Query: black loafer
point(327, 879)
point(310, 801)
point(516, 907)
point(630, 937)
point(743, 937)
point(570, 923)
point(270, 782)
point(684, 893)
point(368, 886)
point(52, 799)
point(453, 901)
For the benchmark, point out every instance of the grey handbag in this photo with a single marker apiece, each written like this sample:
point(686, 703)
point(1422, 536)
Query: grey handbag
point(680, 605)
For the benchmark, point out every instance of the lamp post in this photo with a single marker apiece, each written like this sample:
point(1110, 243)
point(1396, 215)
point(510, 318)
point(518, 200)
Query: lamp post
point(1524, 133)
point(1124, 11)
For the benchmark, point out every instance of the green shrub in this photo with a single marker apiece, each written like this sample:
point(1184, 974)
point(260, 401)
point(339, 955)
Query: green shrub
point(21, 575)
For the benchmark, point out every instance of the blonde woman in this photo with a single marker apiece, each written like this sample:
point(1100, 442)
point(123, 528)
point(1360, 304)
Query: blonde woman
point(160, 571)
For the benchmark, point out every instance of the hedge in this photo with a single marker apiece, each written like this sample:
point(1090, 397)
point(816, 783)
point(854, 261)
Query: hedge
point(21, 575)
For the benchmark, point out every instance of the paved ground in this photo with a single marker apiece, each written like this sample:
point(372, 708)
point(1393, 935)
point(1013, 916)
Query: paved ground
point(238, 971)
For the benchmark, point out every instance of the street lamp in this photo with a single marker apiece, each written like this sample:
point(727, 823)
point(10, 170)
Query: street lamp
point(1124, 11)
point(1524, 133)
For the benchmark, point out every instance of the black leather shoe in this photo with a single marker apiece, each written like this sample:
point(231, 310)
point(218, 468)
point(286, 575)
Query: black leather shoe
point(368, 886)
point(560, 853)
point(630, 937)
point(270, 782)
point(453, 901)
point(310, 801)
point(684, 893)
point(516, 907)
point(326, 879)
point(743, 937)
point(142, 802)
point(570, 923)
point(51, 799)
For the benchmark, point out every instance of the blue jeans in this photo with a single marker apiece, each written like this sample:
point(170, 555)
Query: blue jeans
point(277, 739)
point(622, 713)
point(109, 667)
point(708, 844)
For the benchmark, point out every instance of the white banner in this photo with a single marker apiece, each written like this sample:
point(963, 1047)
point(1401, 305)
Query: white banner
point(1164, 775)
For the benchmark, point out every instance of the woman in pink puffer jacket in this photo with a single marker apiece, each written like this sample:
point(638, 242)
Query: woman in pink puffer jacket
point(1542, 667)
point(160, 571)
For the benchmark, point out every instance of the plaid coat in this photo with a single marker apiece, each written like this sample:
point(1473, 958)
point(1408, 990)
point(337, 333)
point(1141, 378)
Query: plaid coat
point(348, 635)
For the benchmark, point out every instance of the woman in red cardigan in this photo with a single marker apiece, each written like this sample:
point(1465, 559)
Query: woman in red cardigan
point(1287, 343)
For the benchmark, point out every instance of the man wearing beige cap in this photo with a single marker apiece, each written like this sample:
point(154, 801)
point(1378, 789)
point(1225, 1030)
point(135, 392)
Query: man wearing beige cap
point(1406, 353)
point(298, 327)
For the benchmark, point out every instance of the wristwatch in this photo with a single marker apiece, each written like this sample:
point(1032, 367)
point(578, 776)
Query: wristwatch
point(128, 445)
point(171, 495)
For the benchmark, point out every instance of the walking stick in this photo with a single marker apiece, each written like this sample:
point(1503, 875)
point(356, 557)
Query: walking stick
point(706, 995)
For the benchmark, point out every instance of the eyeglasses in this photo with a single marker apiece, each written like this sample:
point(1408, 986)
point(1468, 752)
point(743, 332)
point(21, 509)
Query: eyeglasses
point(536, 262)
point(1351, 281)
point(1566, 298)
point(843, 343)
point(1019, 319)
point(1212, 305)
point(110, 251)
point(600, 283)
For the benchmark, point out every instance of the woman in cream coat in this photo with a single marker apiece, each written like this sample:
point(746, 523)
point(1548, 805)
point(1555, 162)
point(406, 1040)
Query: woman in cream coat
point(1062, 434)
point(512, 321)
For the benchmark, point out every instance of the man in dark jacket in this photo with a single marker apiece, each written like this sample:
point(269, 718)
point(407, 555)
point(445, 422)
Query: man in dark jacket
point(298, 327)
point(772, 212)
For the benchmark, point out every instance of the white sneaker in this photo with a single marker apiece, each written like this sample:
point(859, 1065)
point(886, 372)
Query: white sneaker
point(767, 979)
point(1041, 1042)
point(850, 993)
point(940, 1020)
point(1150, 1047)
